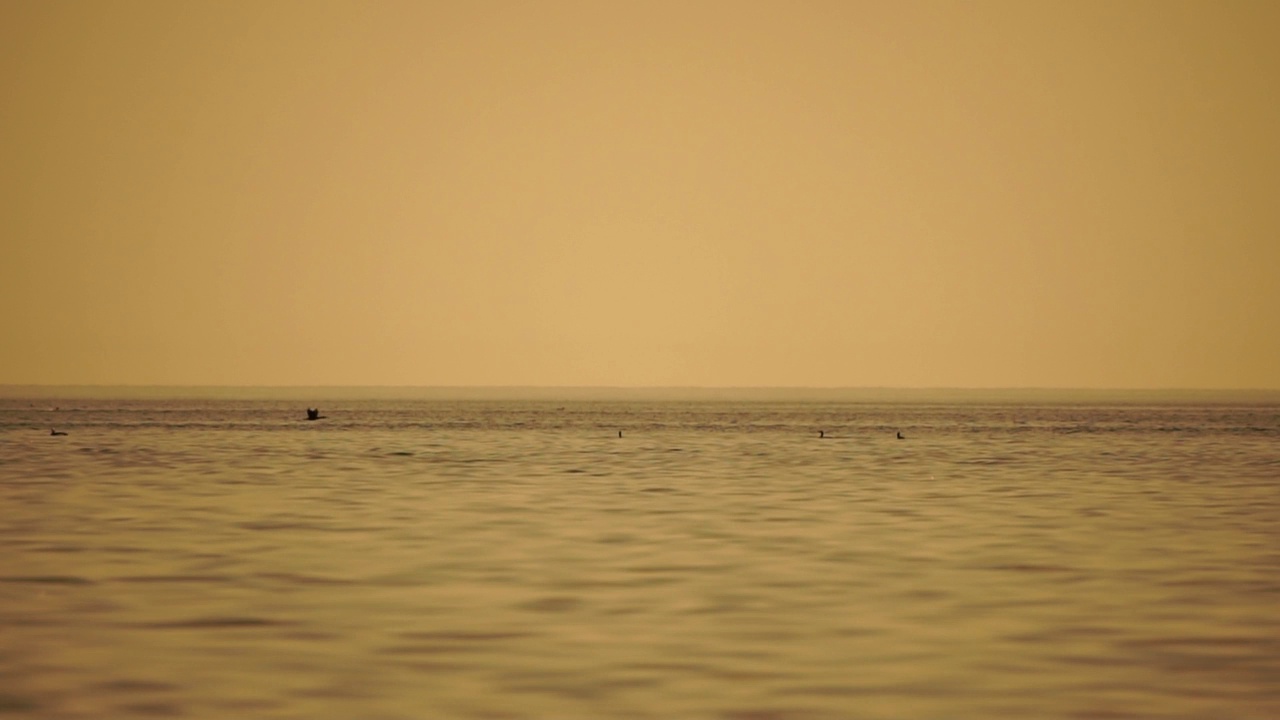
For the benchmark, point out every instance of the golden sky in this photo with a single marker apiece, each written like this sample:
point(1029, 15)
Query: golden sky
point(914, 194)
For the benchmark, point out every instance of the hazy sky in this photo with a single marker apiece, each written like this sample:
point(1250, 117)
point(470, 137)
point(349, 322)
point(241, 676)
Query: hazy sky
point(960, 194)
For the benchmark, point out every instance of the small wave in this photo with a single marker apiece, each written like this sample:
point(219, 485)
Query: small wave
point(174, 579)
point(553, 604)
point(427, 649)
point(303, 579)
point(280, 525)
point(47, 579)
point(15, 703)
point(1028, 568)
point(129, 685)
point(154, 709)
point(463, 635)
point(61, 548)
point(216, 622)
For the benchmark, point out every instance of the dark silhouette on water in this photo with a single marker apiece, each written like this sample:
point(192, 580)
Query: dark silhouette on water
point(900, 437)
point(821, 434)
point(314, 414)
point(56, 432)
point(619, 433)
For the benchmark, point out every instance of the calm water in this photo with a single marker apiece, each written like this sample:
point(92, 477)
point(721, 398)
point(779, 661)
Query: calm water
point(490, 559)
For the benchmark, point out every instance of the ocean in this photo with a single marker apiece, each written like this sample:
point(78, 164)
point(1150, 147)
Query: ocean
point(570, 554)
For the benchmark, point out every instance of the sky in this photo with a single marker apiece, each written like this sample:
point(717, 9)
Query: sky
point(1076, 194)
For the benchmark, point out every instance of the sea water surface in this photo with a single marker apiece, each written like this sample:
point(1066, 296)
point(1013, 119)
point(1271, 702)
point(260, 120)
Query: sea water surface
point(490, 558)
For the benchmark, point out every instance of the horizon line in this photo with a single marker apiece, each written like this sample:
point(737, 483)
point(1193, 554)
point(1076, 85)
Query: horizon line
point(382, 386)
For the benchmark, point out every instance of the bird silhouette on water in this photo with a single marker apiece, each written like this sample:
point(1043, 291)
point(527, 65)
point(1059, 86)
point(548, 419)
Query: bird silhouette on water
point(314, 414)
point(901, 436)
point(56, 432)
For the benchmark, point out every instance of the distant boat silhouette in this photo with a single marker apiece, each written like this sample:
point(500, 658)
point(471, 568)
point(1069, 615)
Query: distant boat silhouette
point(900, 437)
point(314, 414)
point(56, 432)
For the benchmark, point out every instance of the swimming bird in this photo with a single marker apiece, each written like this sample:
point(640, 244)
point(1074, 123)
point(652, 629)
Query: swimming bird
point(821, 434)
point(56, 432)
point(900, 436)
point(619, 433)
point(314, 414)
